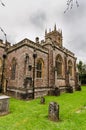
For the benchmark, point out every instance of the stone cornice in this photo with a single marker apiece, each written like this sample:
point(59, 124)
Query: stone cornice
point(29, 43)
point(62, 49)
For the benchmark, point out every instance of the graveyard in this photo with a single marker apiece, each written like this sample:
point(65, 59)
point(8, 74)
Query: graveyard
point(32, 115)
point(42, 69)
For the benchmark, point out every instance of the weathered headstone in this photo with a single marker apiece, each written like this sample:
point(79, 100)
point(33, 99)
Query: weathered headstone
point(78, 88)
point(53, 113)
point(4, 105)
point(69, 89)
point(42, 101)
point(54, 92)
point(57, 92)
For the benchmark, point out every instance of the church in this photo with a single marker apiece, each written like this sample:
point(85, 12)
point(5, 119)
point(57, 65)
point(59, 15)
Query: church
point(32, 69)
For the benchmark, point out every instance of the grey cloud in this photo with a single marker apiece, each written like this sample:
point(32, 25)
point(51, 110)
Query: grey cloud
point(38, 19)
point(11, 38)
point(78, 46)
point(30, 18)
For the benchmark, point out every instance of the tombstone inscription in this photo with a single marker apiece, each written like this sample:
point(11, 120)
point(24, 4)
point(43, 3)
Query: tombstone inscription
point(53, 111)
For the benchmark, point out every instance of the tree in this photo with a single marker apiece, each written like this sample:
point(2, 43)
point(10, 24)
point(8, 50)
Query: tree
point(82, 72)
point(2, 3)
point(80, 67)
point(70, 3)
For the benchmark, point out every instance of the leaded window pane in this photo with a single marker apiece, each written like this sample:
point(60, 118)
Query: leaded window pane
point(39, 69)
point(70, 67)
point(58, 65)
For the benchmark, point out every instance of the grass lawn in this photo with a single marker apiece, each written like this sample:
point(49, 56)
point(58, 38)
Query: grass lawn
point(31, 115)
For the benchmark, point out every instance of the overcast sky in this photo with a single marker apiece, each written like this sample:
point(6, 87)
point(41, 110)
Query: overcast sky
point(29, 18)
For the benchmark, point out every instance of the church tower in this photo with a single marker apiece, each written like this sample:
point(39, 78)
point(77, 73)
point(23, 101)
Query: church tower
point(55, 36)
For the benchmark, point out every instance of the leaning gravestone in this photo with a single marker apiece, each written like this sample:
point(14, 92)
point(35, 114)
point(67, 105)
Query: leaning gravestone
point(53, 113)
point(4, 104)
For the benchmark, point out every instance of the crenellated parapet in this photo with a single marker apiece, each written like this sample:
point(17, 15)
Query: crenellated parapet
point(29, 43)
point(55, 35)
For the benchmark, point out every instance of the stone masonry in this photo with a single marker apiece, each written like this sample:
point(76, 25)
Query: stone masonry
point(47, 50)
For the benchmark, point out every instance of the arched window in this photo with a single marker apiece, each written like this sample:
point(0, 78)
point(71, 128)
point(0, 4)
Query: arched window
point(0, 67)
point(70, 67)
point(13, 69)
point(58, 65)
point(39, 68)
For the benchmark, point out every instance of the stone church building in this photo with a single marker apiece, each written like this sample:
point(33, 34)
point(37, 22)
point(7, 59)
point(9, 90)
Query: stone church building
point(31, 69)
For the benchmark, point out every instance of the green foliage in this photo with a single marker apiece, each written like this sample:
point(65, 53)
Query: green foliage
point(81, 67)
point(31, 115)
point(83, 78)
point(82, 72)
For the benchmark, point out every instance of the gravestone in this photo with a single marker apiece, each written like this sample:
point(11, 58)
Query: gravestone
point(69, 89)
point(53, 113)
point(4, 105)
point(78, 88)
point(42, 101)
point(57, 92)
point(54, 92)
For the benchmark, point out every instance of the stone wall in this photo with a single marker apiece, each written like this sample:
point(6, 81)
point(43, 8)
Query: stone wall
point(47, 52)
point(66, 55)
point(22, 71)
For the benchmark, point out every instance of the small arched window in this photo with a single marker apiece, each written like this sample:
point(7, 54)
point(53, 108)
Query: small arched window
point(0, 67)
point(70, 67)
point(13, 69)
point(58, 65)
point(39, 68)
